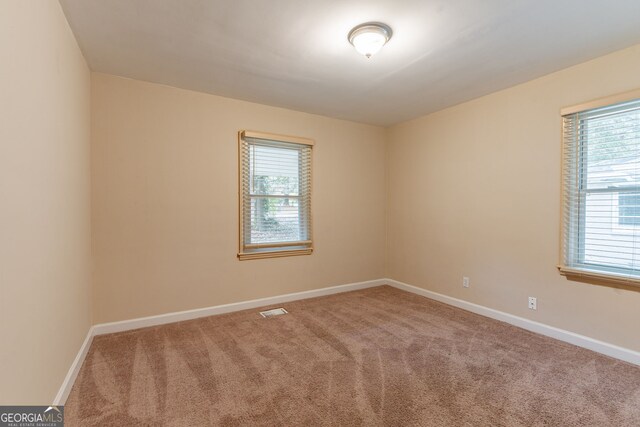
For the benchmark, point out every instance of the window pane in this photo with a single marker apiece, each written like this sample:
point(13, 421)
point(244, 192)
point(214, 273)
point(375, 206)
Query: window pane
point(613, 150)
point(607, 236)
point(629, 209)
point(605, 242)
point(275, 220)
point(274, 170)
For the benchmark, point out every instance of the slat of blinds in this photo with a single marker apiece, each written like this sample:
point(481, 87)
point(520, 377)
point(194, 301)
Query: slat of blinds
point(276, 196)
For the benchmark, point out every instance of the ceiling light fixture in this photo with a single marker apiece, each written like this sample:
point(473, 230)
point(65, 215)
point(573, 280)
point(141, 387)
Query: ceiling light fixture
point(368, 38)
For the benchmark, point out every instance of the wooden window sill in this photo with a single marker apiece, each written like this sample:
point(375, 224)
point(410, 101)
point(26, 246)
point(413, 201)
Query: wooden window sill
point(243, 256)
point(598, 277)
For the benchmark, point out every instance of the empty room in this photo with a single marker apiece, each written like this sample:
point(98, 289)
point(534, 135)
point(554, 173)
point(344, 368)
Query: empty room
point(332, 213)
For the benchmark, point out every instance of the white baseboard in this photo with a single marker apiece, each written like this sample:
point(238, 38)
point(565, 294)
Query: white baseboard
point(143, 322)
point(602, 347)
point(65, 388)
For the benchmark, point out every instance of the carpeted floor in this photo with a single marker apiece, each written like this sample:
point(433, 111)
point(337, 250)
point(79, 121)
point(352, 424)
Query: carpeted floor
point(374, 357)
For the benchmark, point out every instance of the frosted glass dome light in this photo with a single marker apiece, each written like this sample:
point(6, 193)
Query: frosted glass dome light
point(368, 38)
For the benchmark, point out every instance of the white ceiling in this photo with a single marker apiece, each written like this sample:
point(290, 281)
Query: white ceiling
point(295, 53)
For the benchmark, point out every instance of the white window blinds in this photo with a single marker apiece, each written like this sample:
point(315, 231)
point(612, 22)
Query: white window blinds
point(601, 192)
point(275, 195)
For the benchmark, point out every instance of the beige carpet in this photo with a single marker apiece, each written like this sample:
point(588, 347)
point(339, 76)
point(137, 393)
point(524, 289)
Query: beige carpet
point(374, 357)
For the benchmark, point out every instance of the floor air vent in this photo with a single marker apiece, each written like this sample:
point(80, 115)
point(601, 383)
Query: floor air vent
point(274, 312)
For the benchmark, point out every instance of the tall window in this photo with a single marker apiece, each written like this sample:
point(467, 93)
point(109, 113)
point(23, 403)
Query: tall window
point(275, 195)
point(601, 192)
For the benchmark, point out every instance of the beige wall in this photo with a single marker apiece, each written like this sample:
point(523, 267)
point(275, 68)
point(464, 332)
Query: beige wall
point(45, 226)
point(474, 190)
point(165, 209)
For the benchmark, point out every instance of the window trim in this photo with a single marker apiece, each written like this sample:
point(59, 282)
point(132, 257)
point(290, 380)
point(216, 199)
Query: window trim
point(601, 102)
point(280, 249)
point(585, 274)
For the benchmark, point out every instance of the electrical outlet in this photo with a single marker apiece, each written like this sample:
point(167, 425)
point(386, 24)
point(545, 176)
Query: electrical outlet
point(465, 282)
point(533, 303)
